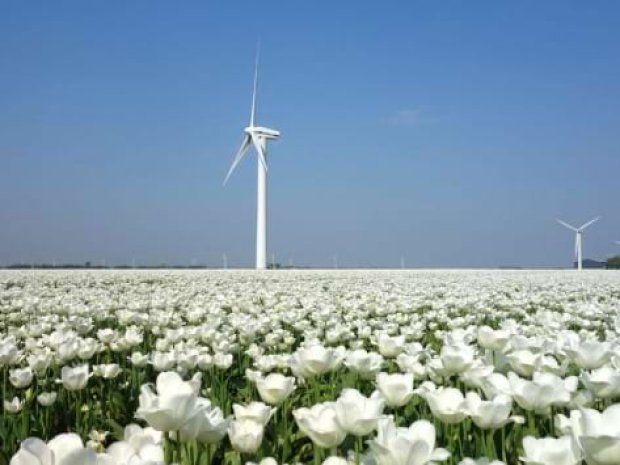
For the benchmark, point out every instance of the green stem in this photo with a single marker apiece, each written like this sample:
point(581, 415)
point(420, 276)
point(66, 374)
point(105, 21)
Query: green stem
point(358, 449)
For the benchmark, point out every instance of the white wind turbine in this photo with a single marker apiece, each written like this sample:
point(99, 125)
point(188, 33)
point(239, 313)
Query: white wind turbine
point(578, 238)
point(258, 137)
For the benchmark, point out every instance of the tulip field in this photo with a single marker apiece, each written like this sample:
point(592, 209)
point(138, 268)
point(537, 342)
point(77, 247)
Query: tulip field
point(314, 367)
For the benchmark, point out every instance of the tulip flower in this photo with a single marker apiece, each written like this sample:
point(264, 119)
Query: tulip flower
point(275, 388)
point(137, 359)
point(335, 460)
point(40, 361)
point(550, 451)
point(140, 446)
point(496, 340)
point(9, 354)
point(480, 461)
point(64, 449)
point(542, 392)
point(107, 371)
point(320, 424)
point(366, 364)
point(523, 362)
point(395, 389)
point(172, 405)
point(411, 364)
point(255, 411)
point(74, 379)
point(590, 355)
point(603, 382)
point(315, 360)
point(21, 377)
point(47, 399)
point(390, 346)
point(447, 404)
point(456, 359)
point(15, 405)
point(599, 435)
point(405, 446)
point(207, 425)
point(490, 414)
point(357, 414)
point(246, 436)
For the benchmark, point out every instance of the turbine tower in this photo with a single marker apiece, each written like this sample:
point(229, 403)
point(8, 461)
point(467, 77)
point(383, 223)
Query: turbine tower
point(258, 137)
point(578, 238)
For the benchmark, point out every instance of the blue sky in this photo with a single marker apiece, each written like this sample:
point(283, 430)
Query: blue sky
point(451, 133)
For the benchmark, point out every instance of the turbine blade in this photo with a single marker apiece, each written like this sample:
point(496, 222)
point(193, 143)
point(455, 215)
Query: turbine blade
point(566, 225)
point(618, 242)
point(244, 147)
point(584, 226)
point(259, 151)
point(253, 111)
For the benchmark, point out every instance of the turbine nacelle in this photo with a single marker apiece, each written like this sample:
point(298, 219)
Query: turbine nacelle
point(267, 133)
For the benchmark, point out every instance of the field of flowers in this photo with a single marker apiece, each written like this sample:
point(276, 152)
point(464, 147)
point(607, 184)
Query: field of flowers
point(341, 367)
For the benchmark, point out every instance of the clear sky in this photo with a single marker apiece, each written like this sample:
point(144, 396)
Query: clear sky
point(448, 132)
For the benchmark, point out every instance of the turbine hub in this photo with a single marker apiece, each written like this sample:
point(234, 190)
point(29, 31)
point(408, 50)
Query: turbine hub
point(262, 132)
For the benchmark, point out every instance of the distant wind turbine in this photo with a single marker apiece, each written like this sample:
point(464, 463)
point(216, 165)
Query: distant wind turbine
point(258, 137)
point(578, 238)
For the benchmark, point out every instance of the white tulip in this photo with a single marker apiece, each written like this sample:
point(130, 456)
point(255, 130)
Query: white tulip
point(357, 414)
point(599, 435)
point(390, 346)
point(315, 360)
point(47, 399)
point(542, 392)
point(173, 404)
point(457, 358)
point(320, 424)
point(550, 451)
point(107, 371)
point(366, 364)
point(21, 377)
point(603, 382)
point(480, 461)
point(64, 449)
point(590, 355)
point(74, 379)
point(275, 388)
point(396, 389)
point(207, 425)
point(139, 360)
point(405, 446)
point(246, 436)
point(255, 411)
point(15, 405)
point(447, 404)
point(491, 339)
point(490, 414)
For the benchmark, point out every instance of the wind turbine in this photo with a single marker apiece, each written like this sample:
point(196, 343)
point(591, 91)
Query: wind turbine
point(578, 237)
point(258, 137)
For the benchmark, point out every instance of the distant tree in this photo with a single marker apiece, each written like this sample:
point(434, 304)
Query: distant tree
point(613, 263)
